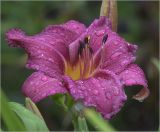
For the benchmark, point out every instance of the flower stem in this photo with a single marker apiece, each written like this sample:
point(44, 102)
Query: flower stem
point(109, 9)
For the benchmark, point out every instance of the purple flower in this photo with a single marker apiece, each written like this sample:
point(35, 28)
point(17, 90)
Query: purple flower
point(93, 64)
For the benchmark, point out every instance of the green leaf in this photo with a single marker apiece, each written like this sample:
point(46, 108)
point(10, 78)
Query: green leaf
point(31, 121)
point(97, 121)
point(12, 122)
point(82, 124)
point(59, 99)
point(32, 107)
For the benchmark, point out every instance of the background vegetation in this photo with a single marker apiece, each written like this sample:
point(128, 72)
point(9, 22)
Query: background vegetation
point(138, 23)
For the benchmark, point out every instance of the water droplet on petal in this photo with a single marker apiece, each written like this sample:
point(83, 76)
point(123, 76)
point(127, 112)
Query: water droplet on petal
point(44, 78)
point(99, 33)
point(95, 92)
point(37, 67)
point(73, 91)
point(42, 55)
point(115, 91)
point(115, 55)
point(124, 63)
point(82, 87)
point(108, 95)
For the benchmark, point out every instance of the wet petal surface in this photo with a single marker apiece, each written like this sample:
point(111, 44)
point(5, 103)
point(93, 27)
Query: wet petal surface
point(38, 86)
point(133, 75)
point(104, 92)
point(48, 50)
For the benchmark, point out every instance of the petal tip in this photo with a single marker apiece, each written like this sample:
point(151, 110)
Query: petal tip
point(13, 35)
point(143, 94)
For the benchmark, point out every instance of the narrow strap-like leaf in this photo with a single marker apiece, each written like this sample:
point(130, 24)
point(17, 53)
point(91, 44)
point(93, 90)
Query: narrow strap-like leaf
point(31, 121)
point(10, 119)
point(97, 121)
point(32, 107)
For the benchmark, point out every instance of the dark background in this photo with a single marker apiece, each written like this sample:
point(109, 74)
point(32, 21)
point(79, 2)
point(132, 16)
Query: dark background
point(138, 22)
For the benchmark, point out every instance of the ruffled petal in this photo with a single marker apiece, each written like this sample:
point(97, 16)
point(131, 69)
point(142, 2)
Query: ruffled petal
point(39, 86)
point(133, 75)
point(116, 53)
point(48, 50)
point(104, 92)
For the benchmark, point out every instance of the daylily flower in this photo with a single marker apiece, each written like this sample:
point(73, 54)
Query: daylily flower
point(92, 64)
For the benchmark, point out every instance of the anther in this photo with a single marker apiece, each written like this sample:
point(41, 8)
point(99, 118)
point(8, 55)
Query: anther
point(84, 44)
point(87, 39)
point(104, 39)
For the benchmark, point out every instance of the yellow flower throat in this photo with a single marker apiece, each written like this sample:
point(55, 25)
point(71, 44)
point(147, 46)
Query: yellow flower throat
point(84, 67)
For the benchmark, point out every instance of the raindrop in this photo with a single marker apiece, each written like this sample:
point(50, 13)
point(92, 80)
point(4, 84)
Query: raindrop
point(108, 95)
point(82, 87)
point(73, 91)
point(95, 92)
point(115, 55)
point(115, 91)
point(99, 33)
point(124, 63)
point(44, 78)
point(37, 67)
point(31, 82)
point(42, 55)
point(50, 59)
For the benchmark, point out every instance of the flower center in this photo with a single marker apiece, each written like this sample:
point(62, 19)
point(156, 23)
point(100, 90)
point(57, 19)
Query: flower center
point(83, 68)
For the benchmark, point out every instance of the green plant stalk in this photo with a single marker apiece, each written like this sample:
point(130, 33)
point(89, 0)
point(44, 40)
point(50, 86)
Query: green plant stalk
point(97, 121)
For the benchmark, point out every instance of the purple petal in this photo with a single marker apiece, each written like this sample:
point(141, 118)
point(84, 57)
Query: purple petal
point(104, 92)
point(48, 50)
point(39, 86)
point(117, 54)
point(133, 75)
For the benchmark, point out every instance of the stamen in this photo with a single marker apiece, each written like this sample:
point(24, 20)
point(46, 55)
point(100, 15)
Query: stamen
point(84, 66)
point(104, 38)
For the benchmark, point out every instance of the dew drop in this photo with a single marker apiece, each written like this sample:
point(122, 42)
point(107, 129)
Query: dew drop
point(82, 87)
point(42, 55)
point(108, 95)
point(44, 78)
point(115, 91)
point(124, 63)
point(73, 91)
point(99, 33)
point(37, 67)
point(95, 92)
point(115, 55)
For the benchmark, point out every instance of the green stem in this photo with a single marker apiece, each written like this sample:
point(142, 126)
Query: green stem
point(79, 120)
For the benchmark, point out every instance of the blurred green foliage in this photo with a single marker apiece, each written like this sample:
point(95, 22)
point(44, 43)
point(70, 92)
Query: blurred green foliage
point(137, 23)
